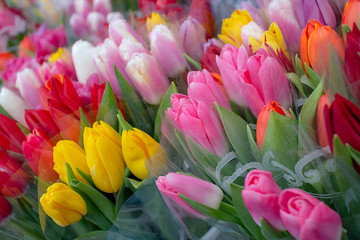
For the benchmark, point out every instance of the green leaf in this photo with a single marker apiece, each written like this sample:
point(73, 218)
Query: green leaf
point(4, 112)
point(306, 81)
point(353, 153)
point(122, 193)
point(340, 152)
point(86, 177)
point(299, 66)
point(123, 124)
point(273, 234)
point(346, 30)
point(164, 105)
point(133, 184)
point(235, 128)
point(227, 208)
point(101, 202)
point(243, 213)
point(202, 156)
point(196, 64)
point(294, 78)
point(84, 122)
point(24, 130)
point(313, 76)
point(253, 145)
point(211, 212)
point(69, 172)
point(108, 107)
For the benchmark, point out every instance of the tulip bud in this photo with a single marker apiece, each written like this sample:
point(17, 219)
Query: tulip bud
point(263, 120)
point(138, 147)
point(167, 51)
point(148, 78)
point(71, 153)
point(28, 83)
point(321, 128)
point(198, 190)
point(104, 157)
point(63, 205)
point(13, 104)
point(5, 209)
point(351, 14)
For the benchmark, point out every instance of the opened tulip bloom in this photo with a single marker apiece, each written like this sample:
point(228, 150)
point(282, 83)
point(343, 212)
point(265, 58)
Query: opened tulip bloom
point(63, 205)
point(198, 190)
point(307, 218)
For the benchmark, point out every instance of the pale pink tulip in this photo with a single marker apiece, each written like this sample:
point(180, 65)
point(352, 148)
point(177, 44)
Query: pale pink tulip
point(28, 84)
point(13, 104)
point(120, 29)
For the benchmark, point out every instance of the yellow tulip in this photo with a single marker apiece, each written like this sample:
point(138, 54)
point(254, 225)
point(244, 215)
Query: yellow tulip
point(106, 130)
point(231, 27)
point(104, 158)
point(154, 20)
point(70, 152)
point(63, 205)
point(274, 39)
point(137, 148)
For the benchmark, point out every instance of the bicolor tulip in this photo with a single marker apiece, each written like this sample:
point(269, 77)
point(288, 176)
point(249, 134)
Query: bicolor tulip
point(321, 128)
point(197, 189)
point(38, 152)
point(154, 20)
point(249, 33)
point(11, 136)
point(208, 60)
point(63, 205)
point(167, 51)
point(263, 119)
point(5, 209)
point(13, 104)
point(138, 147)
point(201, 11)
point(315, 49)
point(148, 78)
point(13, 178)
point(231, 27)
point(261, 195)
point(193, 38)
point(199, 122)
point(342, 117)
point(202, 87)
point(351, 14)
point(104, 157)
point(306, 217)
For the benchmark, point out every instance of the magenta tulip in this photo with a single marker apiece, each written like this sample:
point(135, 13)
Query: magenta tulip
point(198, 190)
point(307, 218)
point(261, 194)
point(5, 209)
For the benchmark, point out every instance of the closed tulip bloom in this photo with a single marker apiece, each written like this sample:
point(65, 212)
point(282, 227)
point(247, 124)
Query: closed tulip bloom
point(63, 205)
point(78, 25)
point(71, 153)
point(11, 136)
point(321, 128)
point(138, 147)
point(314, 46)
point(192, 37)
point(120, 29)
point(263, 120)
point(106, 130)
point(250, 32)
point(128, 47)
point(202, 87)
point(166, 50)
point(28, 83)
point(261, 194)
point(104, 159)
point(13, 104)
point(306, 217)
point(351, 13)
point(148, 78)
point(97, 26)
point(5, 209)
point(198, 190)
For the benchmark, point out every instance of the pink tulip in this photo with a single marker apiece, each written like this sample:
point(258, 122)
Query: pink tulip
point(198, 190)
point(11, 24)
point(78, 25)
point(256, 14)
point(82, 7)
point(128, 47)
point(102, 6)
point(147, 76)
point(261, 196)
point(199, 122)
point(193, 38)
point(15, 65)
point(28, 84)
point(202, 87)
point(97, 25)
point(307, 218)
point(120, 29)
point(167, 51)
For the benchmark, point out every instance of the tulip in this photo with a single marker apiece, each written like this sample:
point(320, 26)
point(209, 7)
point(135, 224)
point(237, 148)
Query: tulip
point(192, 37)
point(13, 105)
point(82, 52)
point(96, 23)
point(78, 25)
point(15, 65)
point(167, 51)
point(102, 6)
point(154, 20)
point(128, 47)
point(104, 157)
point(257, 14)
point(199, 122)
point(201, 11)
point(208, 60)
point(314, 46)
point(28, 83)
point(11, 136)
point(321, 128)
point(26, 48)
point(138, 147)
point(263, 119)
point(11, 24)
point(13, 179)
point(342, 117)
point(120, 29)
point(38, 152)
point(70, 152)
point(147, 76)
point(250, 32)
point(351, 14)
point(231, 27)
point(261, 194)
point(63, 205)
point(41, 119)
point(4, 57)
point(198, 190)
point(82, 7)
point(202, 87)
point(107, 131)
point(5, 209)
point(306, 217)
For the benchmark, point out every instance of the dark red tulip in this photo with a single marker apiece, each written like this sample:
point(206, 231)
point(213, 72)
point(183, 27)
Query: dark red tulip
point(5, 209)
point(11, 135)
point(208, 60)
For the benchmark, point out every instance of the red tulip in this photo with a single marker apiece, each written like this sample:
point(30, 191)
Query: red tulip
point(5, 209)
point(11, 135)
point(13, 179)
point(351, 13)
point(201, 11)
point(208, 60)
point(41, 119)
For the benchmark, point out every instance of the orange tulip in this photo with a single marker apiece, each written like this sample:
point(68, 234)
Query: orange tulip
point(351, 13)
point(321, 128)
point(263, 120)
point(314, 46)
point(26, 48)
